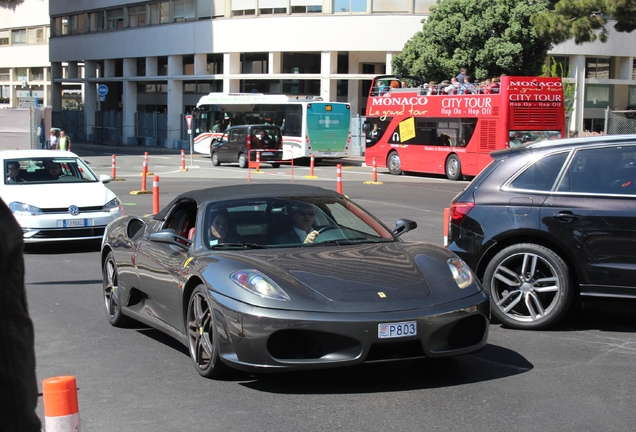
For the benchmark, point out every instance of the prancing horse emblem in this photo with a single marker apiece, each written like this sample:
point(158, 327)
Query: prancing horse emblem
point(382, 295)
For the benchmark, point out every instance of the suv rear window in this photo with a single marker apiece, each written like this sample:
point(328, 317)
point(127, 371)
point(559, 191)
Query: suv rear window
point(542, 174)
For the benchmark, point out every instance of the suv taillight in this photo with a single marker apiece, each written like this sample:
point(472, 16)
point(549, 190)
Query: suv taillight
point(248, 143)
point(459, 211)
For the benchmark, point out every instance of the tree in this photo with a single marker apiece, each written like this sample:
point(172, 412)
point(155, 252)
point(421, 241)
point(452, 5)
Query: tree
point(10, 4)
point(585, 20)
point(488, 38)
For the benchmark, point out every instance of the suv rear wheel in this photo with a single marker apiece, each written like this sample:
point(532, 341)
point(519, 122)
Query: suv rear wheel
point(530, 286)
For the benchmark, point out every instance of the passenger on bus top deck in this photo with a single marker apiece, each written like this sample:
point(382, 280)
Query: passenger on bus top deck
point(462, 75)
point(395, 84)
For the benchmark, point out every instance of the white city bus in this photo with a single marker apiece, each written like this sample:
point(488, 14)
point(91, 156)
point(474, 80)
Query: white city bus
point(309, 125)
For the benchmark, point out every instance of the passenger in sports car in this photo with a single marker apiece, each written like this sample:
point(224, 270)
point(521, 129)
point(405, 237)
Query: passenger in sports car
point(303, 215)
point(221, 229)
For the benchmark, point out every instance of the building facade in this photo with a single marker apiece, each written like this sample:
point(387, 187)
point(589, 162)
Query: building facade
point(162, 56)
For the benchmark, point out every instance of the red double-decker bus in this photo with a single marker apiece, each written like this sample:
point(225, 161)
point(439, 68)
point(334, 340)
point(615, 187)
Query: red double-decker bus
point(441, 129)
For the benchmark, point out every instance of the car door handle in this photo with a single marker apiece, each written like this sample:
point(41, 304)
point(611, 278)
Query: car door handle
point(565, 216)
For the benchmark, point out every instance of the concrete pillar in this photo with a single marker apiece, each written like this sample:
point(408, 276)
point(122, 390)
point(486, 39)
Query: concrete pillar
point(152, 66)
point(129, 99)
point(231, 65)
point(274, 63)
point(577, 63)
point(328, 67)
point(90, 96)
point(109, 68)
point(388, 69)
point(353, 93)
point(175, 100)
point(200, 64)
point(56, 87)
point(72, 70)
point(625, 68)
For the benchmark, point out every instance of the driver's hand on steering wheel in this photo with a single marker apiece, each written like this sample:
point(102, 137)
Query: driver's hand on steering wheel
point(311, 236)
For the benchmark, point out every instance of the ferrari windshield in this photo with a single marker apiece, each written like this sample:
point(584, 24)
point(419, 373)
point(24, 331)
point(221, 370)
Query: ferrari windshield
point(290, 222)
point(47, 170)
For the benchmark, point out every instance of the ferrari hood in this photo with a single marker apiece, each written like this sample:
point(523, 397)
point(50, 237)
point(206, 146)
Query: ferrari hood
point(367, 273)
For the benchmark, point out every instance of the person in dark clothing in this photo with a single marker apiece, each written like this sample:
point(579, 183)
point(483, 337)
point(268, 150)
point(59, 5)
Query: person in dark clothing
point(18, 384)
point(461, 76)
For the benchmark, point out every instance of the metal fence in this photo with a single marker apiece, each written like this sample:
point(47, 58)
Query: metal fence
point(620, 122)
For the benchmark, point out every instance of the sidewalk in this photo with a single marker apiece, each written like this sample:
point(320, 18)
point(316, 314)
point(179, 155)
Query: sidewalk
point(82, 147)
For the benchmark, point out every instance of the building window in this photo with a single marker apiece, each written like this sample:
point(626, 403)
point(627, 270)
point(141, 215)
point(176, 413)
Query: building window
point(303, 63)
point(184, 10)
point(254, 63)
point(115, 19)
point(306, 9)
point(4, 37)
point(562, 65)
point(5, 74)
point(18, 36)
point(21, 74)
point(37, 74)
point(137, 16)
point(160, 13)
point(35, 35)
point(631, 98)
point(391, 6)
point(270, 11)
point(96, 21)
point(245, 12)
point(214, 64)
point(597, 96)
point(597, 67)
point(634, 69)
point(349, 6)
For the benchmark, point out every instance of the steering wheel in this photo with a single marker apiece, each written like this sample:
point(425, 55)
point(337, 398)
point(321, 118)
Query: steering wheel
point(327, 228)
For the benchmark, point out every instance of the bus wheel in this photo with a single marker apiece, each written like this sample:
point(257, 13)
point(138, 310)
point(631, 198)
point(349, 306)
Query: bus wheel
point(393, 163)
point(242, 160)
point(453, 167)
point(215, 159)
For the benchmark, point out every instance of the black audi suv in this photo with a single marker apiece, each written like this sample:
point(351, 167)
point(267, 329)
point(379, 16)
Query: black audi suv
point(549, 221)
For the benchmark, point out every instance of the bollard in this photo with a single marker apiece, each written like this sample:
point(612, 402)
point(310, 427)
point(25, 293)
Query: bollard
point(144, 175)
point(183, 165)
point(311, 168)
point(155, 195)
point(258, 161)
point(375, 174)
point(114, 167)
point(61, 410)
point(144, 171)
point(339, 178)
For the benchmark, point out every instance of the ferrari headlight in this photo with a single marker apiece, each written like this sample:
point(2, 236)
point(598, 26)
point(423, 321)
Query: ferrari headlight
point(111, 205)
point(259, 284)
point(461, 273)
point(22, 209)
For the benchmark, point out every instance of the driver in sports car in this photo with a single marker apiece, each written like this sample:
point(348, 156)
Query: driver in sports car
point(303, 216)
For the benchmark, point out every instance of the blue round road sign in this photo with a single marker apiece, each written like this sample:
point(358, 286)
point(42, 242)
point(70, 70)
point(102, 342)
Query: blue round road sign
point(102, 89)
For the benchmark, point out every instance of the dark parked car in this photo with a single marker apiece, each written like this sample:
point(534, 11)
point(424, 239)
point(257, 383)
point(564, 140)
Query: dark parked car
point(241, 143)
point(225, 271)
point(546, 222)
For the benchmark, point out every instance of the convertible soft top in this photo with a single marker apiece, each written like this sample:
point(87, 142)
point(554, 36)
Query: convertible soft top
point(261, 190)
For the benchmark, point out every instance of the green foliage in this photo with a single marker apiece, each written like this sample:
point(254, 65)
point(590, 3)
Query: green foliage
point(488, 38)
point(556, 69)
point(585, 20)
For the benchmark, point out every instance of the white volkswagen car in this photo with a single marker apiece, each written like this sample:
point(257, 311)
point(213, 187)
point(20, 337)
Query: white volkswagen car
point(55, 196)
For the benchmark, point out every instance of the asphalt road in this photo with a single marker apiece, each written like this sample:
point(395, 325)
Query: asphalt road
point(579, 376)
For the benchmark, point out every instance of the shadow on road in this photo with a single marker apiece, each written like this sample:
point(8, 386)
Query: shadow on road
point(65, 247)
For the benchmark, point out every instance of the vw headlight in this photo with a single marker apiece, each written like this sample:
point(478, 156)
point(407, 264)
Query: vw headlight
point(111, 205)
point(22, 209)
point(461, 273)
point(259, 284)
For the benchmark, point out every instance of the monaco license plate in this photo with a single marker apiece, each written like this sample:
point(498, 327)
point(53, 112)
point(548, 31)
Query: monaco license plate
point(70, 223)
point(395, 330)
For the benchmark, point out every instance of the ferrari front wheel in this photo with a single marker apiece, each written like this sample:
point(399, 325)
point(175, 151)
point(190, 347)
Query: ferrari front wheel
point(111, 293)
point(202, 335)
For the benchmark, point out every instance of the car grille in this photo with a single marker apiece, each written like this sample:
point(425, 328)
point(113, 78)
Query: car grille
point(302, 344)
point(70, 233)
point(92, 209)
point(395, 350)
